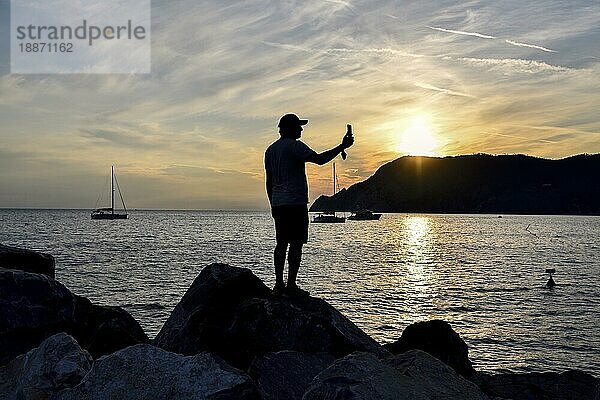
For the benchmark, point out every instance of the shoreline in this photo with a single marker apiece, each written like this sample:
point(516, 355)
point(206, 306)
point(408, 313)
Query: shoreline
point(267, 211)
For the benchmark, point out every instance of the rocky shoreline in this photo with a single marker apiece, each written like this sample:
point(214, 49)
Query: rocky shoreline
point(230, 338)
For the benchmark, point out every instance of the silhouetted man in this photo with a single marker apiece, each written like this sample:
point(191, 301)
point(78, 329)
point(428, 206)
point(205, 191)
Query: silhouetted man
point(287, 189)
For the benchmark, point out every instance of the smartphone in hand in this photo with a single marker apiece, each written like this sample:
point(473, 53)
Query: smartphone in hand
point(348, 134)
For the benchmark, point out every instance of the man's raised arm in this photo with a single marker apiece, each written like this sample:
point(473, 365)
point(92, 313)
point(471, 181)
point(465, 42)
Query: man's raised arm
point(326, 156)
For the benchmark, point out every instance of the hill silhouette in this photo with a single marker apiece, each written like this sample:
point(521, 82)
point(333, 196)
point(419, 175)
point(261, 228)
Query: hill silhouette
point(478, 183)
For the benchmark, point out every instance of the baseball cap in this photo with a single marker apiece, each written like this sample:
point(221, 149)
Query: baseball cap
point(291, 120)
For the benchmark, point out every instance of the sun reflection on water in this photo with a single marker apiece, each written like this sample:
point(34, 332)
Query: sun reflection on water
point(416, 237)
point(418, 280)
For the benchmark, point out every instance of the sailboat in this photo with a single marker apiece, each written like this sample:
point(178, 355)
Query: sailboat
point(109, 212)
point(364, 215)
point(329, 216)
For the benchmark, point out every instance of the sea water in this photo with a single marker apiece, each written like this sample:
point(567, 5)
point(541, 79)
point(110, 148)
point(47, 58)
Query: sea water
point(482, 273)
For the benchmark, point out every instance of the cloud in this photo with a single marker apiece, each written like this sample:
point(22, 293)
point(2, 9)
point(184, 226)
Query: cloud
point(523, 139)
point(119, 138)
point(383, 51)
point(288, 46)
point(446, 91)
point(345, 4)
point(198, 171)
point(479, 35)
point(533, 46)
point(512, 65)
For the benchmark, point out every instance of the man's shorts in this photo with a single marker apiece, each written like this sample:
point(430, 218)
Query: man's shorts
point(291, 223)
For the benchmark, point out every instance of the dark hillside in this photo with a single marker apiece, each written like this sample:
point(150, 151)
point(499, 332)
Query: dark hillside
point(478, 183)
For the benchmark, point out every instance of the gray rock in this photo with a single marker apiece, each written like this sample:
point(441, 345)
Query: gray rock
point(147, 372)
point(198, 321)
point(105, 329)
point(26, 260)
point(231, 313)
point(413, 375)
point(286, 375)
point(362, 376)
point(568, 385)
point(436, 379)
point(305, 324)
point(34, 307)
point(437, 338)
point(58, 363)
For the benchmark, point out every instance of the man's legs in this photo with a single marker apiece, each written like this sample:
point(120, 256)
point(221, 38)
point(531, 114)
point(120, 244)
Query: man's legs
point(279, 261)
point(294, 257)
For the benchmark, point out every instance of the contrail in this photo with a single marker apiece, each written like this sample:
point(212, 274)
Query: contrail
point(518, 65)
point(480, 35)
point(442, 90)
point(287, 46)
point(533, 46)
point(521, 137)
point(384, 50)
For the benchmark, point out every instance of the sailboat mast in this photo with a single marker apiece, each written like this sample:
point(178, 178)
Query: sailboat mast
point(112, 189)
point(334, 178)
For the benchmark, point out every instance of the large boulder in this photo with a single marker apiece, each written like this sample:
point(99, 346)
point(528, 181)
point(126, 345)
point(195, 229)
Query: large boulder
point(58, 363)
point(568, 385)
point(147, 372)
point(304, 324)
point(286, 375)
point(34, 307)
point(437, 338)
point(413, 375)
point(230, 312)
point(206, 309)
point(362, 376)
point(106, 329)
point(438, 380)
point(26, 260)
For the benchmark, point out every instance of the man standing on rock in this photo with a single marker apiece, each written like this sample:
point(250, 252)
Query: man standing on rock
point(287, 189)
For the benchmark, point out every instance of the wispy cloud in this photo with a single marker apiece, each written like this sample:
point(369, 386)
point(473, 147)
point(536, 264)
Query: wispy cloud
point(476, 34)
point(523, 138)
point(442, 90)
point(376, 51)
point(342, 3)
point(483, 36)
point(383, 50)
point(286, 46)
point(533, 46)
point(515, 65)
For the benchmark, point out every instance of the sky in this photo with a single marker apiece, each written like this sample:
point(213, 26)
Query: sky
point(432, 77)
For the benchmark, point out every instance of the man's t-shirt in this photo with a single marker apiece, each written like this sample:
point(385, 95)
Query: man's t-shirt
point(285, 159)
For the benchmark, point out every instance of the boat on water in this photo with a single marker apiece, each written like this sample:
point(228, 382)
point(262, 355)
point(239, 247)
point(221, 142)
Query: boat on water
point(329, 217)
point(109, 212)
point(364, 215)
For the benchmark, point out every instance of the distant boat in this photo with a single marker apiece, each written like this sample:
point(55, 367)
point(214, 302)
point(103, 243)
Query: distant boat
point(364, 215)
point(109, 212)
point(329, 217)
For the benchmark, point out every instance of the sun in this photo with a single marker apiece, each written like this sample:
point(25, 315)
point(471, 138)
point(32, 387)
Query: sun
point(418, 138)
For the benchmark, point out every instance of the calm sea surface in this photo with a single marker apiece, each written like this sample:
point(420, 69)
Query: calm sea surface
point(483, 274)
